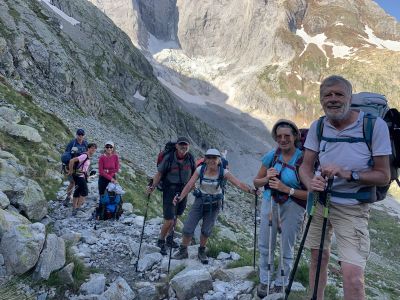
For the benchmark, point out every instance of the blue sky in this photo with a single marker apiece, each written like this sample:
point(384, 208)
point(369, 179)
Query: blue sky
point(392, 7)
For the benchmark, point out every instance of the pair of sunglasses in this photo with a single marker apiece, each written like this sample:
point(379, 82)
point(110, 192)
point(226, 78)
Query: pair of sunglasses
point(109, 147)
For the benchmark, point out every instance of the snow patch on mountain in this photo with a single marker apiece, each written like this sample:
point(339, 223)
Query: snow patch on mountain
point(379, 43)
point(338, 51)
point(60, 12)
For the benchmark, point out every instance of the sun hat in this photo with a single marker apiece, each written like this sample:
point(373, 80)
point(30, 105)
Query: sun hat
point(109, 143)
point(182, 139)
point(213, 152)
point(287, 122)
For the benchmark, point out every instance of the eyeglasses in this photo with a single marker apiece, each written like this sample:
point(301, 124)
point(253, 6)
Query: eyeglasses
point(212, 157)
point(183, 144)
point(109, 147)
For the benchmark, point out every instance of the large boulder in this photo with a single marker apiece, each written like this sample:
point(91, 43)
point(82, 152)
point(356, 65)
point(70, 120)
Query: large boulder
point(8, 123)
point(28, 196)
point(52, 257)
point(21, 247)
point(191, 283)
point(10, 219)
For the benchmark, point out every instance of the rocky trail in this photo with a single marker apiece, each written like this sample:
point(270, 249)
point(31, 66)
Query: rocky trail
point(111, 247)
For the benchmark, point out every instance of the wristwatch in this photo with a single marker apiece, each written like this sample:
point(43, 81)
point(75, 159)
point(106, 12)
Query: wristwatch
point(291, 191)
point(355, 176)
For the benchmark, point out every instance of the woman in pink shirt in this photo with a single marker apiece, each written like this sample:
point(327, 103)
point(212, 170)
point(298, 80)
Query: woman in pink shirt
point(108, 167)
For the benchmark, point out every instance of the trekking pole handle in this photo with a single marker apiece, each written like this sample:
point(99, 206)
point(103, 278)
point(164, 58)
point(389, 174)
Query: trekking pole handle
point(329, 186)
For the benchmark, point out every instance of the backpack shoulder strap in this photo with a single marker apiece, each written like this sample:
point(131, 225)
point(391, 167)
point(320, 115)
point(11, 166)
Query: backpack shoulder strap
point(275, 158)
point(169, 160)
point(192, 163)
point(320, 128)
point(202, 170)
point(82, 163)
point(368, 129)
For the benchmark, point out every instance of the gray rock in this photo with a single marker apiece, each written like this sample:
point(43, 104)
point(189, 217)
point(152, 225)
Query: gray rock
point(147, 261)
point(52, 257)
point(127, 208)
point(1, 260)
point(4, 202)
point(95, 285)
point(148, 292)
point(191, 283)
point(65, 274)
point(9, 219)
point(29, 197)
point(223, 255)
point(71, 236)
point(21, 247)
point(241, 273)
point(145, 249)
point(119, 290)
point(234, 255)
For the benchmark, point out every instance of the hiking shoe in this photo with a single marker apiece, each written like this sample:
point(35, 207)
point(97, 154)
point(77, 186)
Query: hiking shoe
point(66, 201)
point(262, 290)
point(163, 248)
point(202, 255)
point(171, 243)
point(182, 253)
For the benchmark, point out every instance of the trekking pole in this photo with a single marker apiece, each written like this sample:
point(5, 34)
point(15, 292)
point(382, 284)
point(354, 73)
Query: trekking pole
point(281, 248)
point(327, 193)
point(142, 233)
point(172, 236)
point(269, 244)
point(255, 229)
point(301, 247)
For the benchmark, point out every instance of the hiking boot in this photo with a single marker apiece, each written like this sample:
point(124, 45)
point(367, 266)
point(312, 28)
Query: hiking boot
point(262, 290)
point(202, 255)
point(66, 201)
point(161, 245)
point(171, 243)
point(182, 253)
point(276, 290)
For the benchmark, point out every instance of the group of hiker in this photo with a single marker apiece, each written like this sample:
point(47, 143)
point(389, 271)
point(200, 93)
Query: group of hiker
point(77, 169)
point(295, 179)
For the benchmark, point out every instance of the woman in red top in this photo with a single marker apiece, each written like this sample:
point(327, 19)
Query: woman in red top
point(108, 167)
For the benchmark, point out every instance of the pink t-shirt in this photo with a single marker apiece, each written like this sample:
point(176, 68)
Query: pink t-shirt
point(108, 166)
point(83, 167)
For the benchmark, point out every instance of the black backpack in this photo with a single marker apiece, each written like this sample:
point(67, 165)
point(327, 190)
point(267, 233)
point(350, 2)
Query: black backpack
point(373, 105)
point(168, 151)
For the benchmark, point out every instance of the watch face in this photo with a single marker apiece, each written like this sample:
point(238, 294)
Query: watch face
point(355, 176)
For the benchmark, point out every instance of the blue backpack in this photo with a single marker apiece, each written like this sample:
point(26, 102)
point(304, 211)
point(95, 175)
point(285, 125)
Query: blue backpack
point(110, 206)
point(373, 105)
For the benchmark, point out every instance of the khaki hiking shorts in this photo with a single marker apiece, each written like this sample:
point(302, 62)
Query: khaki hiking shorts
point(350, 225)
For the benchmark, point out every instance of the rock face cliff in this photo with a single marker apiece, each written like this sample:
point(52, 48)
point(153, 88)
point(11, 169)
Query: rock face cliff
point(74, 62)
point(265, 56)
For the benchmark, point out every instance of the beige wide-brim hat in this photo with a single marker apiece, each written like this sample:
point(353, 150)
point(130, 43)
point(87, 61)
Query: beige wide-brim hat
point(287, 122)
